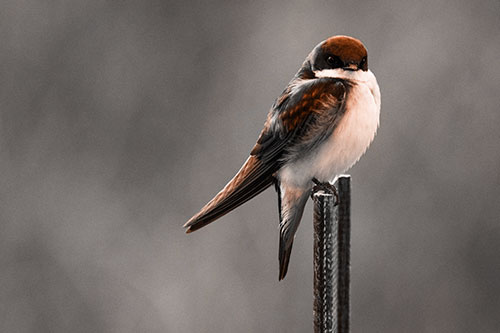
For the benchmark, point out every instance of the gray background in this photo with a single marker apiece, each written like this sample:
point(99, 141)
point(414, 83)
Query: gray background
point(120, 119)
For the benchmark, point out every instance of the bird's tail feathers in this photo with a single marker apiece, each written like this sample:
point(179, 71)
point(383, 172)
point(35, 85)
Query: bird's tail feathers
point(292, 203)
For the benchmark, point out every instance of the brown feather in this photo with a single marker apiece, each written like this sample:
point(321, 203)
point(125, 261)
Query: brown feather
point(253, 178)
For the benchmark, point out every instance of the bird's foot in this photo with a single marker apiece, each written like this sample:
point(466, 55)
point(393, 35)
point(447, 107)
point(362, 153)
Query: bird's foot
point(326, 187)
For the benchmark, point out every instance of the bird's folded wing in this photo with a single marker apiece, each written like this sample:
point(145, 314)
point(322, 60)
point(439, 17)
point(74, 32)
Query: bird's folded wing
point(291, 124)
point(253, 178)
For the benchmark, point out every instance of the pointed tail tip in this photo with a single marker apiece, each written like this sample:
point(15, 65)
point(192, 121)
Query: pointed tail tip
point(284, 259)
point(283, 271)
point(188, 226)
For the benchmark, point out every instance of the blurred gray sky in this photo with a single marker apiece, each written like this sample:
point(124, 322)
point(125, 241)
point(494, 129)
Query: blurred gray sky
point(120, 119)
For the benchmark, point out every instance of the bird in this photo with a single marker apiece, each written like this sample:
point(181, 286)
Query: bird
point(317, 128)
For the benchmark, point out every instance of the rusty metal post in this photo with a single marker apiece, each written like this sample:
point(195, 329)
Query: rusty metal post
point(332, 230)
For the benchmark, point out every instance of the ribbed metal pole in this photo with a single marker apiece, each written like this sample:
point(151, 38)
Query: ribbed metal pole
point(332, 231)
point(325, 263)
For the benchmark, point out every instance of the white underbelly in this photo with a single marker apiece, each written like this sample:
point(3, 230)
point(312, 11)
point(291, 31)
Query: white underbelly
point(345, 146)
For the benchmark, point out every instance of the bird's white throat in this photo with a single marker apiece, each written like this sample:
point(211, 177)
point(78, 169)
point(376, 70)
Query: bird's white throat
point(340, 73)
point(358, 76)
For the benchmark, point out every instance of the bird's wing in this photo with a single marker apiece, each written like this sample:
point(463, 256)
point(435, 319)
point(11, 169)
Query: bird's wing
point(253, 178)
point(304, 115)
point(293, 118)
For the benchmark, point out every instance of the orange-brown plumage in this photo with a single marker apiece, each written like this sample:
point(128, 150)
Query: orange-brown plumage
point(348, 49)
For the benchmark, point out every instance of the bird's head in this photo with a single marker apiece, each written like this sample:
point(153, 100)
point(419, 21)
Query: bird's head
point(339, 52)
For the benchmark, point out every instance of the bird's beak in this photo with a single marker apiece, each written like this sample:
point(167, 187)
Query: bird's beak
point(351, 67)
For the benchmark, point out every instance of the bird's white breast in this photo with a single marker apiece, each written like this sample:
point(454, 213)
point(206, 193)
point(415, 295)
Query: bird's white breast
point(351, 137)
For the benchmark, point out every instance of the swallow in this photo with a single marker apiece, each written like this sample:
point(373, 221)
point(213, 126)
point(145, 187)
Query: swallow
point(320, 125)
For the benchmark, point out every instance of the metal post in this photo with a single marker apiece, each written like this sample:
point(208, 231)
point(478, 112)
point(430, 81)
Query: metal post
point(332, 231)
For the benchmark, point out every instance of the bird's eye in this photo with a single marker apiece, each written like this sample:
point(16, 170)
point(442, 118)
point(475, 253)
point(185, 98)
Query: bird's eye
point(333, 61)
point(362, 63)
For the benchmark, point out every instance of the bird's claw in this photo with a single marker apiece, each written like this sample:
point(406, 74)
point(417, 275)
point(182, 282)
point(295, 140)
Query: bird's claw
point(326, 187)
